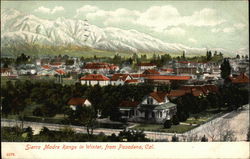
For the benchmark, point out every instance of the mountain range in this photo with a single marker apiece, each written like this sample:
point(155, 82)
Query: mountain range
point(26, 31)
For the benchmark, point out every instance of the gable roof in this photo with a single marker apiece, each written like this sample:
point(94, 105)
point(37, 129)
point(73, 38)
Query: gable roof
point(46, 67)
point(151, 71)
point(242, 78)
point(77, 101)
point(158, 96)
point(95, 77)
point(60, 71)
point(132, 81)
point(116, 77)
point(176, 93)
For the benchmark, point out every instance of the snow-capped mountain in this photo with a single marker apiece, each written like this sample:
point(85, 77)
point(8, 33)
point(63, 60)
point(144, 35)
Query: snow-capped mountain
point(19, 29)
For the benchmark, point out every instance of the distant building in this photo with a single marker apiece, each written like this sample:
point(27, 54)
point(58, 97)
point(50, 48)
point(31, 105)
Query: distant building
point(99, 67)
point(145, 66)
point(120, 79)
point(151, 72)
point(95, 79)
point(166, 79)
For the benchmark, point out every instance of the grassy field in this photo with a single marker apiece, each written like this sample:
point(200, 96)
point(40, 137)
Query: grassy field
point(160, 128)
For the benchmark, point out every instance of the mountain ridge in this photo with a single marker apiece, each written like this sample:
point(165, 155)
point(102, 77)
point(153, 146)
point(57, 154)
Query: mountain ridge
point(27, 30)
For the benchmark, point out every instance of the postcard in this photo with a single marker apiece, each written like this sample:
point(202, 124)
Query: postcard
point(125, 79)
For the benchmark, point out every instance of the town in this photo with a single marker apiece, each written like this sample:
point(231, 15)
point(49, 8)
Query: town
point(158, 93)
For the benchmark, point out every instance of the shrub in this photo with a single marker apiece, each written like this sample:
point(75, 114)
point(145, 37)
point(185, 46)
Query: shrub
point(168, 124)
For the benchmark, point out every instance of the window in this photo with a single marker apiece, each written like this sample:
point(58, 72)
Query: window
point(160, 114)
point(150, 100)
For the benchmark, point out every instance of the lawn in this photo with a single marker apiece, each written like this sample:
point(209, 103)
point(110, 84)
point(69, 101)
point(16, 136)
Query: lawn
point(205, 116)
point(160, 128)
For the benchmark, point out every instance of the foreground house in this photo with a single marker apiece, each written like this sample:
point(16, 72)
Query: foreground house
point(95, 79)
point(77, 102)
point(154, 108)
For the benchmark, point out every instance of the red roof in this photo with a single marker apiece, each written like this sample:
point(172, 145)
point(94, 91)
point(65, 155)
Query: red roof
point(158, 96)
point(60, 71)
point(146, 64)
point(137, 75)
point(163, 77)
point(77, 101)
point(95, 77)
point(132, 81)
point(3, 70)
point(151, 71)
point(176, 93)
point(167, 69)
point(46, 67)
point(116, 77)
point(242, 78)
point(129, 104)
point(204, 88)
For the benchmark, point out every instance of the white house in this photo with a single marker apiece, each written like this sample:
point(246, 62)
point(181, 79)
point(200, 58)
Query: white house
point(120, 79)
point(95, 79)
point(77, 101)
point(154, 108)
point(146, 66)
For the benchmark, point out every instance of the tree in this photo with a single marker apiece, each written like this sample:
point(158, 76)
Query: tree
point(175, 138)
point(225, 69)
point(204, 139)
point(238, 56)
point(168, 124)
point(175, 120)
point(86, 116)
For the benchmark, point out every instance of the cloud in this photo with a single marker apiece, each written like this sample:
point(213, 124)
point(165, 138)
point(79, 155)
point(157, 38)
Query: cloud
point(155, 17)
point(192, 40)
point(228, 30)
point(215, 30)
point(239, 26)
point(175, 31)
point(45, 10)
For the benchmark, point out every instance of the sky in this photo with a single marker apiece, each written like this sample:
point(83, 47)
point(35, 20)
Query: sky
point(198, 24)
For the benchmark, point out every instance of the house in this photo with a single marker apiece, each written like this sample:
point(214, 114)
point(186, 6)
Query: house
point(195, 90)
point(154, 108)
point(120, 79)
point(240, 79)
point(94, 79)
point(167, 71)
point(99, 67)
point(128, 109)
point(151, 72)
point(77, 102)
point(6, 71)
point(56, 65)
point(145, 66)
point(166, 79)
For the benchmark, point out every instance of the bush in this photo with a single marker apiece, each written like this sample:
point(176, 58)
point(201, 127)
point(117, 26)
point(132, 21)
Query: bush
point(175, 120)
point(168, 124)
point(175, 138)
